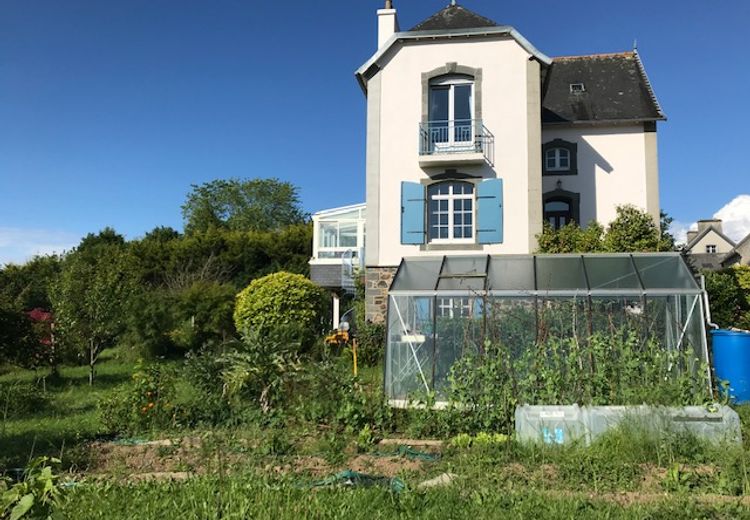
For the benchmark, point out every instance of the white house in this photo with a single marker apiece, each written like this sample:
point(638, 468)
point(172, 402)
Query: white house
point(475, 138)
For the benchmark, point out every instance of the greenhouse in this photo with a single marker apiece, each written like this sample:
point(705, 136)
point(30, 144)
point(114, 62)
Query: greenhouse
point(440, 308)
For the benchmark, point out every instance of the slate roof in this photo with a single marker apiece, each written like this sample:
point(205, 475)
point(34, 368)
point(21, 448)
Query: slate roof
point(453, 17)
point(616, 89)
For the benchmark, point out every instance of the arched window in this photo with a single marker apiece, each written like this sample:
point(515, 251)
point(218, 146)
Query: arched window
point(558, 212)
point(557, 159)
point(451, 211)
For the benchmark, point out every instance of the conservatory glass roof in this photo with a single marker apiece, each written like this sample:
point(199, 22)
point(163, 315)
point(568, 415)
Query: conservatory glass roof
point(564, 275)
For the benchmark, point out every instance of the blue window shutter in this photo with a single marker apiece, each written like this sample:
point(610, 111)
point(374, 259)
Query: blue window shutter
point(490, 211)
point(412, 213)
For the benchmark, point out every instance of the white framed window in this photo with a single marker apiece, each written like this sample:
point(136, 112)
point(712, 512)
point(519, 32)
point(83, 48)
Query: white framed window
point(453, 307)
point(557, 159)
point(451, 212)
point(451, 111)
point(711, 249)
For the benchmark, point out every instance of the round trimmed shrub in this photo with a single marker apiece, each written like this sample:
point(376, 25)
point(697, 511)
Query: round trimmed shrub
point(282, 303)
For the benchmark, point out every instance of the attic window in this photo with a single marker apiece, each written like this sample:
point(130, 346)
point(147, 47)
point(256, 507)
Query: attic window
point(577, 87)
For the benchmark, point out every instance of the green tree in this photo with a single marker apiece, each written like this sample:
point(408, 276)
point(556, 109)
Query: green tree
point(19, 344)
point(571, 239)
point(244, 205)
point(26, 286)
point(632, 230)
point(90, 298)
point(726, 297)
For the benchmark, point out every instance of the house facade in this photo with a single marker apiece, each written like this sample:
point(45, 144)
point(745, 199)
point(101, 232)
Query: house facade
point(709, 248)
point(475, 139)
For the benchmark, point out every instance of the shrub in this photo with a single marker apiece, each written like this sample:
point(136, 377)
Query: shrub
point(371, 343)
point(204, 311)
point(282, 301)
point(143, 405)
point(204, 402)
point(21, 399)
point(632, 230)
point(729, 296)
point(258, 369)
point(327, 392)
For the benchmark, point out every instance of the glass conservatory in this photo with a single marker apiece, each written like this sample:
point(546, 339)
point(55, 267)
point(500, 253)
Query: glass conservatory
point(441, 306)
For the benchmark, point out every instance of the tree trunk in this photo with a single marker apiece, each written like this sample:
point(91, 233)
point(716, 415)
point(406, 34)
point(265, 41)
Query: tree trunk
point(92, 361)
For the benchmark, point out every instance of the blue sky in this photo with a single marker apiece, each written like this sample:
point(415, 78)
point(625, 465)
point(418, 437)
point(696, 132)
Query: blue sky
point(110, 110)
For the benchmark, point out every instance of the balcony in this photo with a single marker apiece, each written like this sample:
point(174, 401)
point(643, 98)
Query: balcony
point(459, 142)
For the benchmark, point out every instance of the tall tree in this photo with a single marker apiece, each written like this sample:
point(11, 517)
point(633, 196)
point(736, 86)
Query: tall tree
point(90, 298)
point(26, 286)
point(243, 205)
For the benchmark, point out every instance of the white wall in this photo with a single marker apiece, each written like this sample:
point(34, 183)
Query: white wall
point(612, 169)
point(505, 109)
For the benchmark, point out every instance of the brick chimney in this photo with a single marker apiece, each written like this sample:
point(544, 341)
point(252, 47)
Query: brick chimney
point(387, 23)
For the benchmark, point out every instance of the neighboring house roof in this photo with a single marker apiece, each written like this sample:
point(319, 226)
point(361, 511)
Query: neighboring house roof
point(735, 255)
point(453, 17)
point(690, 245)
point(616, 88)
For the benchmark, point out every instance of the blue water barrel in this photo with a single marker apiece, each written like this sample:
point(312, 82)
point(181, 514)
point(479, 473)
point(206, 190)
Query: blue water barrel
point(732, 362)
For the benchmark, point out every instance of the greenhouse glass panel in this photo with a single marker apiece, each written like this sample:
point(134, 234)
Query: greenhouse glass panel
point(511, 273)
point(664, 272)
point(417, 275)
point(609, 273)
point(560, 273)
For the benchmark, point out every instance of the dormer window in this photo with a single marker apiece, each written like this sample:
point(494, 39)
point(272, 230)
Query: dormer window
point(559, 158)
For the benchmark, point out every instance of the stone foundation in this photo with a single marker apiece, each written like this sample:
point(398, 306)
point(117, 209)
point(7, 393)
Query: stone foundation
point(377, 282)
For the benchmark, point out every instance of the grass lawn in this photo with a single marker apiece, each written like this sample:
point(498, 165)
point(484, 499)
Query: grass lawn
point(69, 419)
point(266, 471)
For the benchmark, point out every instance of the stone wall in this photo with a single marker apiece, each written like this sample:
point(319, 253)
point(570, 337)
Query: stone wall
point(377, 282)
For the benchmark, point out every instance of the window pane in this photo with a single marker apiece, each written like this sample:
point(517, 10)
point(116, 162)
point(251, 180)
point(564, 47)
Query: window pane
point(557, 205)
point(462, 103)
point(329, 234)
point(348, 234)
point(438, 115)
point(458, 232)
point(439, 103)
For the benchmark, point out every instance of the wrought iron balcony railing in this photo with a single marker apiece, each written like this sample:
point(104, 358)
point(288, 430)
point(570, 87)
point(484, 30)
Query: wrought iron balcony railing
point(456, 137)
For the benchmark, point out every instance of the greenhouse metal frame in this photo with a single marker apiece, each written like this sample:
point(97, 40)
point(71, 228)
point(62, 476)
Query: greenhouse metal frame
point(432, 297)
